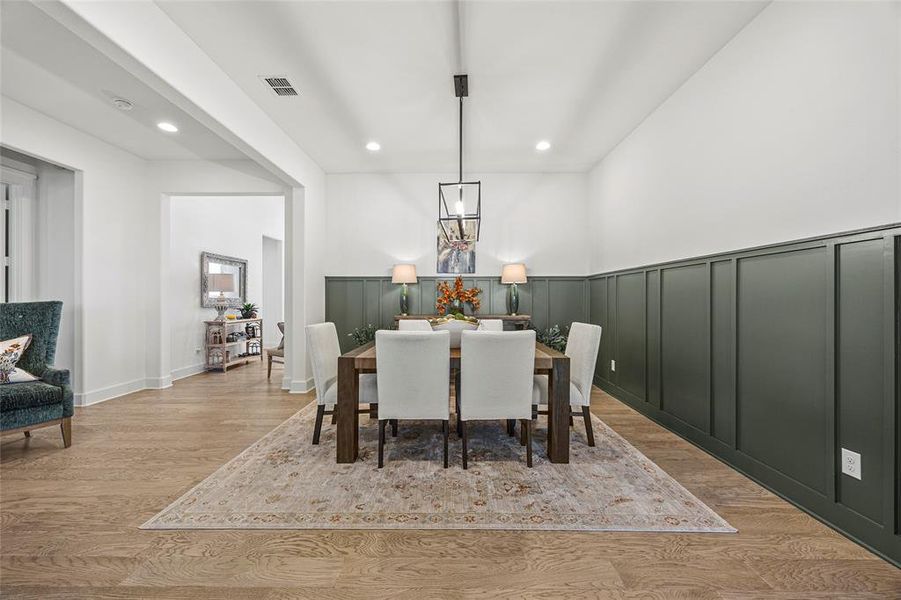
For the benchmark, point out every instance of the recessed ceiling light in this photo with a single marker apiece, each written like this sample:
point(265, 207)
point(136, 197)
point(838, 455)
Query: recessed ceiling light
point(167, 127)
point(542, 145)
point(373, 146)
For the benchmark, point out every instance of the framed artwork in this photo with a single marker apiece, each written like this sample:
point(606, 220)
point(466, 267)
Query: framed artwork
point(456, 256)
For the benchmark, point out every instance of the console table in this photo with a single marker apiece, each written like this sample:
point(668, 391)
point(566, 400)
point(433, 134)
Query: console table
point(221, 354)
point(510, 321)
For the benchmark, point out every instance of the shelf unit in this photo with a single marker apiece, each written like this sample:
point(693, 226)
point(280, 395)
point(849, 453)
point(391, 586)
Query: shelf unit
point(220, 355)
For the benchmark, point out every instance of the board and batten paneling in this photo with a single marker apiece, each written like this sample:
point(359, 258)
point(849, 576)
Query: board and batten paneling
point(352, 302)
point(773, 359)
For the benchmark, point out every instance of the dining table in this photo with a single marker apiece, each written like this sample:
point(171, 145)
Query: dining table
point(362, 359)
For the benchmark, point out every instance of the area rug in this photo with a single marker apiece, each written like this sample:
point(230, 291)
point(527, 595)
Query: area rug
point(284, 482)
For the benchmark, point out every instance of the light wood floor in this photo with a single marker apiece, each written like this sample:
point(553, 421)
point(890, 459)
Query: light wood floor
point(70, 523)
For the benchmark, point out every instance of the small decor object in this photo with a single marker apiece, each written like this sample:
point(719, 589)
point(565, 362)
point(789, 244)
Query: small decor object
point(453, 299)
point(363, 335)
point(216, 336)
point(513, 275)
point(222, 283)
point(249, 310)
point(553, 337)
point(404, 274)
point(456, 256)
point(456, 324)
point(10, 353)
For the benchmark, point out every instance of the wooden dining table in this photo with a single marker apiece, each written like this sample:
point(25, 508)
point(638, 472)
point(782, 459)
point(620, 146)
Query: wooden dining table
point(361, 360)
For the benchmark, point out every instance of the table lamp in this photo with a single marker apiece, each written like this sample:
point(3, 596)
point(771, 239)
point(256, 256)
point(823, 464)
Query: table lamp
point(404, 274)
point(220, 282)
point(512, 275)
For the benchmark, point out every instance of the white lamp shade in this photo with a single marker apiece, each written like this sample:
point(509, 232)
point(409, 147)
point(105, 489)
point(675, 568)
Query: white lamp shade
point(515, 273)
point(404, 274)
point(221, 282)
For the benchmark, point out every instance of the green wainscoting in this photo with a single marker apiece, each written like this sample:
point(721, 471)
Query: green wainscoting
point(358, 301)
point(772, 359)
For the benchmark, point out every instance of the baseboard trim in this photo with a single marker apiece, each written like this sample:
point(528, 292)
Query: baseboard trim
point(299, 386)
point(108, 393)
point(158, 383)
point(187, 371)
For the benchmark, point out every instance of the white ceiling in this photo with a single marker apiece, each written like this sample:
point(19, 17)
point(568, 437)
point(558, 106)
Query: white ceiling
point(45, 66)
point(580, 74)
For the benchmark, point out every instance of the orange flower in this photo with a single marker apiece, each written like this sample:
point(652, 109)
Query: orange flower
point(446, 295)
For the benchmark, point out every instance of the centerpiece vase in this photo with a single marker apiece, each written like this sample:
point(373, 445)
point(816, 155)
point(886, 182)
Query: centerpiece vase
point(457, 306)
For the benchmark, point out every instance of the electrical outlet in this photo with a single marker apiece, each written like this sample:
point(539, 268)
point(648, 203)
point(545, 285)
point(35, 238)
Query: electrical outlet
point(196, 350)
point(613, 366)
point(851, 463)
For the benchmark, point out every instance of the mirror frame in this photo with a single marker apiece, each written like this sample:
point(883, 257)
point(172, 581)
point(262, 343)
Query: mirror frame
point(240, 263)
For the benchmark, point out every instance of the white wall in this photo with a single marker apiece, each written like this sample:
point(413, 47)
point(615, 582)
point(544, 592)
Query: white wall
point(791, 131)
point(119, 247)
point(229, 225)
point(377, 220)
point(108, 258)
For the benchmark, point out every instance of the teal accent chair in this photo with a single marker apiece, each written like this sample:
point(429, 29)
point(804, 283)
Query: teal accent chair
point(35, 404)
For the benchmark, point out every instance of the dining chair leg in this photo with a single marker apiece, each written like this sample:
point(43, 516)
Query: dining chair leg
point(373, 411)
point(27, 434)
point(462, 424)
point(522, 434)
point(445, 426)
point(511, 427)
point(269, 370)
point(335, 415)
point(527, 426)
point(570, 418)
point(457, 401)
point(320, 412)
point(393, 427)
point(382, 423)
point(586, 414)
point(534, 411)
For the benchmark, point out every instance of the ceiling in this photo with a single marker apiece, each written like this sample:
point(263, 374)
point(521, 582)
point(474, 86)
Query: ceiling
point(47, 67)
point(582, 75)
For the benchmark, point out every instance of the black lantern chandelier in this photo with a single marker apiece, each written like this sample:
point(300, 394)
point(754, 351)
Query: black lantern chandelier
point(465, 220)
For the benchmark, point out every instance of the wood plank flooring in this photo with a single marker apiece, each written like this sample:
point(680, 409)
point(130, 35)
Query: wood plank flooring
point(69, 523)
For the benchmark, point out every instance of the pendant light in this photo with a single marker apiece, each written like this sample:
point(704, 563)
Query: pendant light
point(465, 220)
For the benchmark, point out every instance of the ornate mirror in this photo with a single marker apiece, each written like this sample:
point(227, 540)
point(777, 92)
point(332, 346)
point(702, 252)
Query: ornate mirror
point(215, 264)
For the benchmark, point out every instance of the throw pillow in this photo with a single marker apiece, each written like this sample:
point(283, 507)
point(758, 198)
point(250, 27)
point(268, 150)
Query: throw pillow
point(10, 353)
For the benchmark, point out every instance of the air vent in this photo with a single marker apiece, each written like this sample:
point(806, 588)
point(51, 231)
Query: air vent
point(280, 85)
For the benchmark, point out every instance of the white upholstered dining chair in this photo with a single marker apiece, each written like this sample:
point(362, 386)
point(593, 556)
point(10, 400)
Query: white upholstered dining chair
point(413, 325)
point(491, 325)
point(413, 379)
point(582, 350)
point(322, 343)
point(496, 381)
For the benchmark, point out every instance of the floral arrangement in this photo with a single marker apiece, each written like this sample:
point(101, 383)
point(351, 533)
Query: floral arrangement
point(448, 297)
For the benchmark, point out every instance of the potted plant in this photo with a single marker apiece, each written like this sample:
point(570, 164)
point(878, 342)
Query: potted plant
point(249, 310)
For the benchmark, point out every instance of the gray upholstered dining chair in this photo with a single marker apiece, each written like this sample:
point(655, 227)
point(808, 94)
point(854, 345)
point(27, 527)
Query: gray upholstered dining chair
point(277, 352)
point(413, 325)
point(582, 350)
point(413, 379)
point(496, 381)
point(491, 325)
point(322, 343)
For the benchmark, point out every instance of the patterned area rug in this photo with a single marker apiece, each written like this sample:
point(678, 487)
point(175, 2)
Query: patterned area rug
point(284, 482)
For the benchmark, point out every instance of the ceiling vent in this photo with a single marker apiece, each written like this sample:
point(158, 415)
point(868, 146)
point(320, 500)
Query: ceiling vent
point(280, 86)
